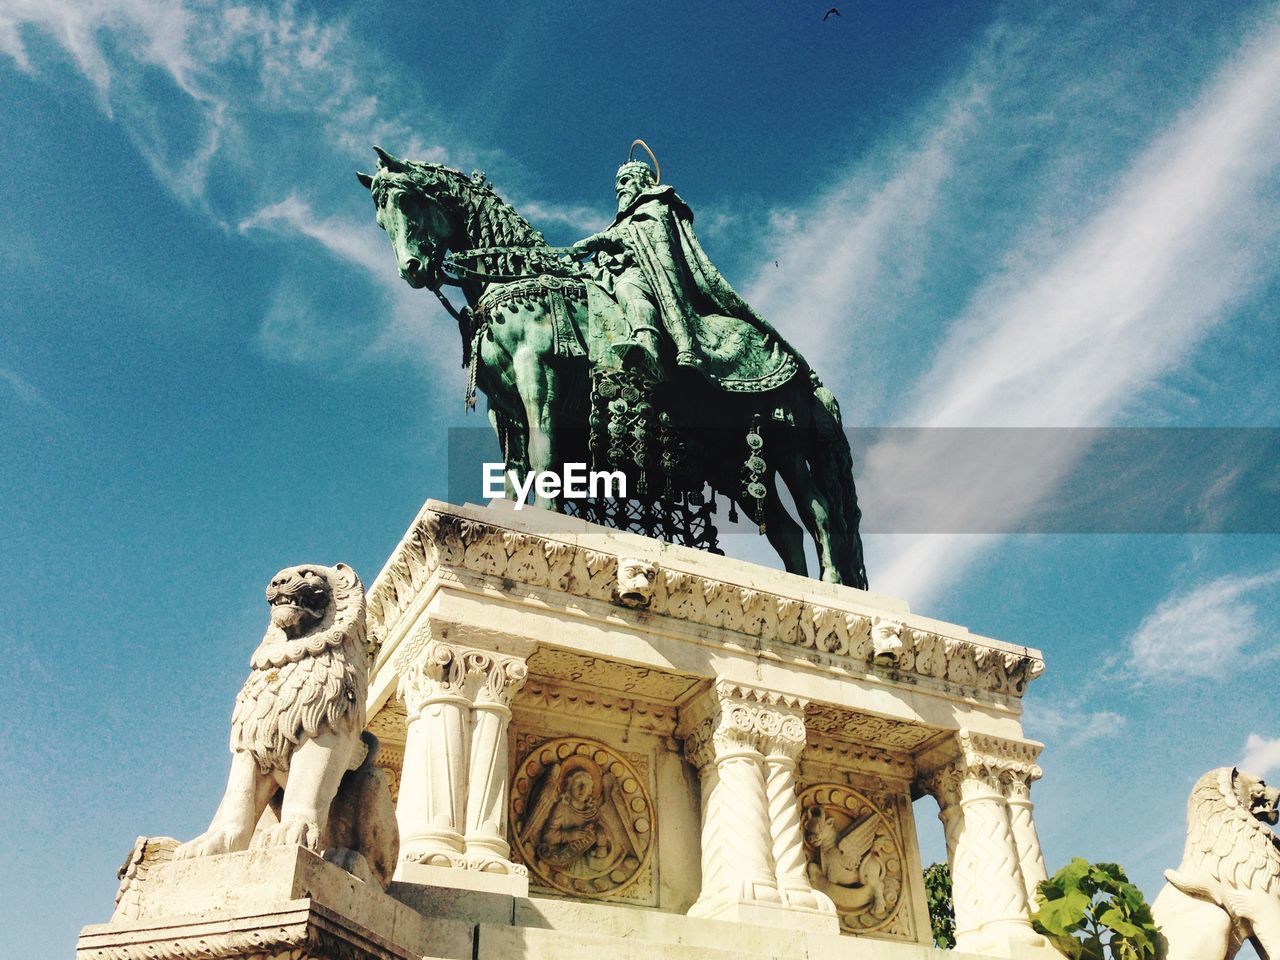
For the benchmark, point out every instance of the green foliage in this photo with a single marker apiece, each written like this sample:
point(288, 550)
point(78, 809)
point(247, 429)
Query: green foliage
point(1092, 912)
point(942, 915)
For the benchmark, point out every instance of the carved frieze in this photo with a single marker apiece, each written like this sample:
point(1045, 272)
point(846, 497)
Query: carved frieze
point(583, 820)
point(855, 855)
point(844, 725)
point(639, 682)
point(529, 563)
point(562, 700)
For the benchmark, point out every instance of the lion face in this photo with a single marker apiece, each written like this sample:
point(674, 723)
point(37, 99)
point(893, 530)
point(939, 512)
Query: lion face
point(299, 598)
point(1262, 802)
point(819, 829)
point(635, 582)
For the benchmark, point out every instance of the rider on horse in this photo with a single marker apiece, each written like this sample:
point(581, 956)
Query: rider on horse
point(651, 263)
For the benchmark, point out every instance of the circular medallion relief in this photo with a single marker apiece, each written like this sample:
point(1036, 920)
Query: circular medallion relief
point(581, 817)
point(854, 855)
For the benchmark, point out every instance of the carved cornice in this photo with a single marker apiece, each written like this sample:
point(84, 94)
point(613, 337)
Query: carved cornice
point(843, 724)
point(853, 639)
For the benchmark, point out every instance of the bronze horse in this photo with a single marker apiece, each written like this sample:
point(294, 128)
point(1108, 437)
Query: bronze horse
point(523, 338)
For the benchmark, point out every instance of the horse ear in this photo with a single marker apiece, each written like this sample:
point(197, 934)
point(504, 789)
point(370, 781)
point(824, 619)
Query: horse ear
point(386, 161)
point(366, 181)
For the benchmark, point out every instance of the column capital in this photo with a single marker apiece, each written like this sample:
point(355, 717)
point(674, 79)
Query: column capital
point(494, 678)
point(436, 673)
point(731, 716)
point(997, 763)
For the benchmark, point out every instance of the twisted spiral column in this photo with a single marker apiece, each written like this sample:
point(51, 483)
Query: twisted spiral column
point(987, 872)
point(745, 840)
point(789, 862)
point(966, 894)
point(1025, 836)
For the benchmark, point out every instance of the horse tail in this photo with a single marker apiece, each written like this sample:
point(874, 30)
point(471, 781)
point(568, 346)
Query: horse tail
point(833, 462)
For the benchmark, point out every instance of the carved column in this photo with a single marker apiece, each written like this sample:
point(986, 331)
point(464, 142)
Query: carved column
point(432, 801)
point(1025, 837)
point(790, 864)
point(988, 887)
point(452, 806)
point(966, 897)
point(495, 679)
point(744, 742)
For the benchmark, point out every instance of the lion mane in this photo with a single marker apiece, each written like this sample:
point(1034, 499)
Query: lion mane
point(300, 686)
point(1227, 844)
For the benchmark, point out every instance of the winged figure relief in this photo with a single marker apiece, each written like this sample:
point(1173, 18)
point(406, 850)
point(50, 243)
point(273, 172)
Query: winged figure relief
point(846, 869)
point(574, 826)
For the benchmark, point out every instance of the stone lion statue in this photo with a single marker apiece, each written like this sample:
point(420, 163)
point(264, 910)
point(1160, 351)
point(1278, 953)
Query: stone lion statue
point(1227, 888)
point(302, 771)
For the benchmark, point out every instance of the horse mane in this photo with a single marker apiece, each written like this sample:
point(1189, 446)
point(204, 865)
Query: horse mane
point(489, 220)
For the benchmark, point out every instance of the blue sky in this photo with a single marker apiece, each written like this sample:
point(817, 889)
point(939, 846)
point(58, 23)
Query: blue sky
point(981, 215)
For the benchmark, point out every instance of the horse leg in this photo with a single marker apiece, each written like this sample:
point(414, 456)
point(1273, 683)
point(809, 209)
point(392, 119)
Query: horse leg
point(537, 384)
point(783, 533)
point(814, 511)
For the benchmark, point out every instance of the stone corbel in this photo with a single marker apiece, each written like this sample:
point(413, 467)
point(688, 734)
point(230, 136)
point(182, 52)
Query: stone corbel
point(453, 787)
point(744, 742)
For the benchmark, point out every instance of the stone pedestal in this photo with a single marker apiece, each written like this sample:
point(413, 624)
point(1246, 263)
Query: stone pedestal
point(600, 743)
point(280, 903)
point(713, 738)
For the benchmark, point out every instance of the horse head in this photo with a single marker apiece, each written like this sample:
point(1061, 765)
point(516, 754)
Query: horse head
point(417, 208)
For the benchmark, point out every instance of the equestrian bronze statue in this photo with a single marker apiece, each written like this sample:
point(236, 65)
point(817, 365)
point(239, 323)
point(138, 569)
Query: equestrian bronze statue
point(628, 351)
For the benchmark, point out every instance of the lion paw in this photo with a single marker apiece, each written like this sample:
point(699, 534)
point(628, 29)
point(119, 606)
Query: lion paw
point(208, 844)
point(289, 833)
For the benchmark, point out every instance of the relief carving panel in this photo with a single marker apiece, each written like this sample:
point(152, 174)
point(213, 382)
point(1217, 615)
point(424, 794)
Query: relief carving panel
point(855, 856)
point(582, 819)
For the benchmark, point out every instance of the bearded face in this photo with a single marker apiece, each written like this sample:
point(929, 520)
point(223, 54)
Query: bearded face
point(299, 597)
point(628, 187)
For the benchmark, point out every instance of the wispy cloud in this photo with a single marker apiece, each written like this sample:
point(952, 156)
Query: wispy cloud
point(258, 95)
point(292, 331)
point(27, 393)
point(1261, 755)
point(1067, 339)
point(1069, 725)
point(852, 259)
point(1203, 632)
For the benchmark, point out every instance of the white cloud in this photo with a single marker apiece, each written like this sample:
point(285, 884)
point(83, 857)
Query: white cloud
point(851, 259)
point(1068, 725)
point(290, 328)
point(1261, 755)
point(1200, 633)
point(1067, 340)
point(235, 70)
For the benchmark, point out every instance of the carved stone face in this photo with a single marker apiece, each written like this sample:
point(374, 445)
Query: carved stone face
point(628, 187)
point(635, 582)
point(819, 829)
point(299, 597)
point(1261, 801)
point(580, 788)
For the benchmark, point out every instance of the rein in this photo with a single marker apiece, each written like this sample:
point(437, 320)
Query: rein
point(472, 324)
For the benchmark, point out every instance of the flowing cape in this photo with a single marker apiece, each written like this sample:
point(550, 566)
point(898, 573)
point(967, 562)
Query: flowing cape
point(714, 330)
